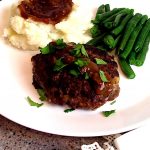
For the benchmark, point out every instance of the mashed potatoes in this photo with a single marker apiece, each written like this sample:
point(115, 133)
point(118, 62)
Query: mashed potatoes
point(30, 35)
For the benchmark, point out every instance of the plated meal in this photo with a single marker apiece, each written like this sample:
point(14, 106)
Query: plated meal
point(78, 58)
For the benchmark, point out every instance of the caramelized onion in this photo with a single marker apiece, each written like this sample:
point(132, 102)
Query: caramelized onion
point(47, 11)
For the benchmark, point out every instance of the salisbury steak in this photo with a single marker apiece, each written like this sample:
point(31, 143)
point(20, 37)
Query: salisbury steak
point(76, 75)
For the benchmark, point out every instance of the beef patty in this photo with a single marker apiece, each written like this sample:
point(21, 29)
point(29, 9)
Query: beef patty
point(76, 75)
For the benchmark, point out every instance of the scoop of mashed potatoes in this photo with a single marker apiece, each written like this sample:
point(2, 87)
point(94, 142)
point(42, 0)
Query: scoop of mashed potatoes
point(27, 34)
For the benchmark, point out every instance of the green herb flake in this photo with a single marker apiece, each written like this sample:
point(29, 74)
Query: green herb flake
point(60, 43)
point(81, 63)
point(100, 61)
point(102, 76)
point(59, 65)
point(78, 50)
point(41, 94)
point(78, 46)
point(45, 50)
point(49, 49)
point(74, 72)
point(75, 52)
point(86, 76)
point(83, 51)
point(32, 103)
point(69, 110)
point(113, 102)
point(108, 113)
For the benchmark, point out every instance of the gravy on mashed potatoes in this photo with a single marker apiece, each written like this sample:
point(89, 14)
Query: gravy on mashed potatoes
point(30, 34)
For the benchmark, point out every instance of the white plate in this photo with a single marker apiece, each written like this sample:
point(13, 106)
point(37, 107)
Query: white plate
point(132, 106)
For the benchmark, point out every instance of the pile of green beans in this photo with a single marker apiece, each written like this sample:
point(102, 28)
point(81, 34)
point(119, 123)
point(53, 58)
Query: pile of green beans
point(121, 30)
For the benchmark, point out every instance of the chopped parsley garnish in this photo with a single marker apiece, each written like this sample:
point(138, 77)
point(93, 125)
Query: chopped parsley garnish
point(32, 103)
point(95, 31)
point(49, 49)
point(41, 94)
point(60, 43)
point(69, 110)
point(83, 51)
point(81, 63)
point(102, 76)
point(113, 102)
point(59, 65)
point(74, 72)
point(108, 113)
point(100, 61)
point(86, 76)
point(78, 50)
point(45, 50)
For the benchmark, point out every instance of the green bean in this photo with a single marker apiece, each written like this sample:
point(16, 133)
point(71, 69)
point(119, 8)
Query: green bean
point(142, 36)
point(108, 25)
point(132, 58)
point(133, 37)
point(109, 41)
point(128, 30)
point(96, 40)
point(112, 17)
point(118, 19)
point(107, 7)
point(116, 41)
point(95, 31)
point(126, 68)
point(100, 17)
point(101, 9)
point(142, 54)
point(122, 25)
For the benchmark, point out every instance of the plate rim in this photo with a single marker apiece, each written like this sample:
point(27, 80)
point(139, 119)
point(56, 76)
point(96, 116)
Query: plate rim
point(123, 129)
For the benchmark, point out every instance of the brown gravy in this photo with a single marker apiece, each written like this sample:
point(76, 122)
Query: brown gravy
point(47, 11)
